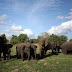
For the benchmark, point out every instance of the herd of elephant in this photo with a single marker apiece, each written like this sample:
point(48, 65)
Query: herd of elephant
point(28, 50)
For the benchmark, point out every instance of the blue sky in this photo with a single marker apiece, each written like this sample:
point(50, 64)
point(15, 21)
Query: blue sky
point(32, 17)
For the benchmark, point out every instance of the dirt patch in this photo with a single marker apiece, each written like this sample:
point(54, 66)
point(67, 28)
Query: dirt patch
point(16, 70)
point(27, 66)
point(2, 70)
point(41, 60)
point(57, 62)
point(46, 64)
point(7, 63)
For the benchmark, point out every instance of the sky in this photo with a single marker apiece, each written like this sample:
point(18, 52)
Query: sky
point(32, 17)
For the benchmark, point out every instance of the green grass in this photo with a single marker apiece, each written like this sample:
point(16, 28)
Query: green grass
point(51, 63)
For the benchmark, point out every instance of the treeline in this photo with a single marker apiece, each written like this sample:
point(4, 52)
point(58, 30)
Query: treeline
point(24, 38)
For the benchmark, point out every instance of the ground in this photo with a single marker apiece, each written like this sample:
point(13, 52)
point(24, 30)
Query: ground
point(51, 63)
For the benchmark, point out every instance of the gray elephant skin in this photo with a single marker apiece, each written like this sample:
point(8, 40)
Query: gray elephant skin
point(26, 50)
point(67, 48)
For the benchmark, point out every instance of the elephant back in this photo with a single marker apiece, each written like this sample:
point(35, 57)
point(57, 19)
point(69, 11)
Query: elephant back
point(67, 45)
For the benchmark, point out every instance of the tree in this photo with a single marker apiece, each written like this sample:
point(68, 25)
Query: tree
point(23, 38)
point(62, 39)
point(13, 40)
point(43, 35)
point(34, 40)
point(53, 38)
point(70, 40)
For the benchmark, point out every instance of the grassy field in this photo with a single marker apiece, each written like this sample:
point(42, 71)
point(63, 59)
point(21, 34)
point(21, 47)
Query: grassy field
point(51, 63)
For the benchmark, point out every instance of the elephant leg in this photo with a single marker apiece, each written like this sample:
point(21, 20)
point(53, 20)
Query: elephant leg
point(40, 53)
point(35, 55)
point(58, 50)
point(64, 51)
point(52, 52)
point(17, 54)
point(0, 56)
point(28, 56)
point(22, 56)
point(45, 51)
point(8, 57)
point(4, 54)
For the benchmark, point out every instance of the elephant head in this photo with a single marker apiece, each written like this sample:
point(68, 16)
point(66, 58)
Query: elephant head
point(42, 47)
point(25, 51)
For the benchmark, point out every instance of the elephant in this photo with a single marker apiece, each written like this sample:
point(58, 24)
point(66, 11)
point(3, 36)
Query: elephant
point(5, 48)
point(33, 51)
point(67, 48)
point(41, 47)
point(19, 50)
point(23, 50)
point(58, 47)
point(51, 46)
point(47, 46)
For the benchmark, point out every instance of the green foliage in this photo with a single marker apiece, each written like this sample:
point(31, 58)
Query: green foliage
point(13, 40)
point(23, 38)
point(34, 40)
point(53, 38)
point(58, 39)
point(62, 39)
point(43, 35)
point(70, 40)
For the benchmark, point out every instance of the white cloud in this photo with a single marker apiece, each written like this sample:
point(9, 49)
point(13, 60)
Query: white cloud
point(2, 17)
point(67, 17)
point(60, 17)
point(71, 9)
point(17, 30)
point(70, 13)
point(64, 28)
point(2, 23)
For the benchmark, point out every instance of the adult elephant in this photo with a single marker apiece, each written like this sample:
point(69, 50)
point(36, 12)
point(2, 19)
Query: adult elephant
point(5, 48)
point(23, 50)
point(33, 51)
point(47, 46)
point(58, 47)
point(51, 46)
point(67, 48)
point(41, 47)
